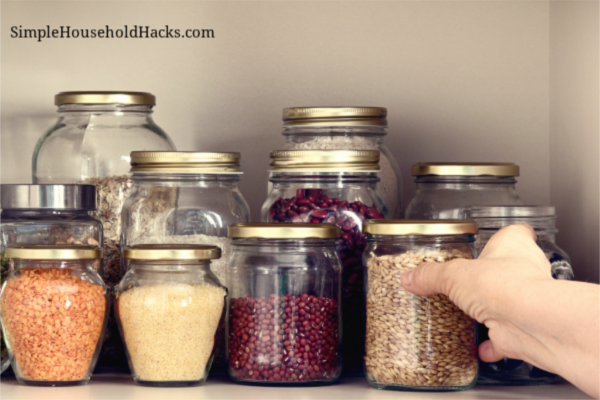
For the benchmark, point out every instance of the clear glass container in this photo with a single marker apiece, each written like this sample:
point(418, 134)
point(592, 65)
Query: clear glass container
point(337, 187)
point(415, 342)
point(90, 143)
point(5, 360)
point(283, 323)
point(54, 308)
point(509, 372)
point(347, 128)
point(445, 189)
point(169, 308)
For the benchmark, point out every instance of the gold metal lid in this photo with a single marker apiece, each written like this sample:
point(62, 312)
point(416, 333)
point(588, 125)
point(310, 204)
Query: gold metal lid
point(335, 116)
point(185, 162)
point(325, 160)
point(102, 97)
point(283, 231)
point(62, 252)
point(171, 252)
point(399, 227)
point(465, 169)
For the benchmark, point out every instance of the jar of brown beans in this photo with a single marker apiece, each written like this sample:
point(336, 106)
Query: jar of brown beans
point(283, 323)
point(414, 342)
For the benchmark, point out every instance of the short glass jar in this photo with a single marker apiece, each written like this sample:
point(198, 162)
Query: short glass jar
point(415, 342)
point(509, 372)
point(445, 189)
point(337, 187)
point(169, 307)
point(54, 309)
point(347, 128)
point(284, 306)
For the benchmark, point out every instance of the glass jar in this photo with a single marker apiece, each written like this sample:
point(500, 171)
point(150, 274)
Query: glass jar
point(509, 372)
point(169, 307)
point(445, 189)
point(90, 143)
point(347, 128)
point(284, 307)
point(415, 342)
point(337, 187)
point(5, 360)
point(54, 308)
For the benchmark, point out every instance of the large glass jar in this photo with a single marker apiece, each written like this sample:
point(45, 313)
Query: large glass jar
point(509, 372)
point(5, 360)
point(169, 307)
point(337, 187)
point(284, 306)
point(54, 309)
point(415, 342)
point(347, 128)
point(445, 189)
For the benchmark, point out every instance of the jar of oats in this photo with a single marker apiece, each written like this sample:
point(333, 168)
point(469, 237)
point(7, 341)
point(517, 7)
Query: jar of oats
point(414, 342)
point(169, 307)
point(54, 309)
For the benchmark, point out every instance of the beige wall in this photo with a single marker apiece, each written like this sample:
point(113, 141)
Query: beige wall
point(574, 130)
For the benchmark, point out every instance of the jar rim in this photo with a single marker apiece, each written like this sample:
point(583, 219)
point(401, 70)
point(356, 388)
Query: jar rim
point(193, 162)
point(105, 97)
point(524, 211)
point(62, 252)
point(465, 169)
point(420, 227)
point(264, 230)
point(325, 160)
point(165, 252)
point(335, 116)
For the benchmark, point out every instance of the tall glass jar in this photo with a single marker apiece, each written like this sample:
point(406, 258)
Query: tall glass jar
point(445, 189)
point(90, 143)
point(509, 372)
point(54, 308)
point(347, 128)
point(337, 187)
point(284, 305)
point(169, 307)
point(415, 342)
point(185, 198)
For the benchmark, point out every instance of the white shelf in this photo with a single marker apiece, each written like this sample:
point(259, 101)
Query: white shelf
point(122, 387)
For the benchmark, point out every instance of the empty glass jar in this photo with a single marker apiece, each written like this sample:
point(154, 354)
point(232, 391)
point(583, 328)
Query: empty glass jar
point(284, 305)
point(347, 128)
point(169, 307)
point(54, 309)
point(445, 189)
point(337, 187)
point(415, 342)
point(509, 372)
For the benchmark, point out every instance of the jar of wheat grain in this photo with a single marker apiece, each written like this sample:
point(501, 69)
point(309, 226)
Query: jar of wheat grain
point(415, 342)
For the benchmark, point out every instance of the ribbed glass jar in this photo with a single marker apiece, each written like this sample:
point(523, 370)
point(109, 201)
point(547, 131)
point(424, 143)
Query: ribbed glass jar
point(284, 309)
point(509, 372)
point(415, 342)
point(444, 190)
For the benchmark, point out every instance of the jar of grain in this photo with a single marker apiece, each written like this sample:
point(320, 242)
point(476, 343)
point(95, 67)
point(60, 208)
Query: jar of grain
point(54, 309)
point(90, 143)
point(336, 187)
point(345, 128)
point(509, 372)
point(169, 307)
point(284, 309)
point(414, 342)
point(444, 190)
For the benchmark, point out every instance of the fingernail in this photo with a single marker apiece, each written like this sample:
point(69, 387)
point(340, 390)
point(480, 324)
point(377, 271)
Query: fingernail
point(408, 277)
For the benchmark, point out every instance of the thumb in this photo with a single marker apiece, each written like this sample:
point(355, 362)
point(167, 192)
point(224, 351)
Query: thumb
point(487, 352)
point(427, 279)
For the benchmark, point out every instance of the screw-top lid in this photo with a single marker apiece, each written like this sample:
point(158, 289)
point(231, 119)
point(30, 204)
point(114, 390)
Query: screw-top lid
point(103, 97)
point(335, 116)
point(325, 160)
point(465, 169)
point(48, 197)
point(62, 252)
point(420, 228)
point(186, 162)
point(283, 231)
point(171, 252)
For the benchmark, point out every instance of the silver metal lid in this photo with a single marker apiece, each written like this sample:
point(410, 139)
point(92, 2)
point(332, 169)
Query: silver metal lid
point(56, 197)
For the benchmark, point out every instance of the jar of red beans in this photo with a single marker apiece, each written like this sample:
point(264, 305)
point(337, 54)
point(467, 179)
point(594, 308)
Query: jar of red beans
point(335, 187)
point(283, 321)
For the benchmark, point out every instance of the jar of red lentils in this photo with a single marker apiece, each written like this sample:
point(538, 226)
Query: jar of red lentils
point(54, 308)
point(283, 324)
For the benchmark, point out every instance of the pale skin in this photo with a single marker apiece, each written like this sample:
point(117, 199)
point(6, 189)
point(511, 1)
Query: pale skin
point(549, 323)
